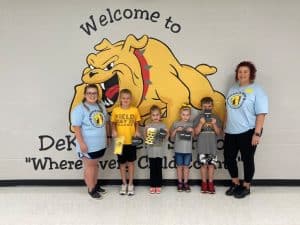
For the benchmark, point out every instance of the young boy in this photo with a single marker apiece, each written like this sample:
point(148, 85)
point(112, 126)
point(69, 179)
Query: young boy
point(125, 120)
point(207, 128)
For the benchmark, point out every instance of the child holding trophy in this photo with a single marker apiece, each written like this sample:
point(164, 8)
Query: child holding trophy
point(207, 129)
point(182, 133)
point(125, 120)
point(155, 132)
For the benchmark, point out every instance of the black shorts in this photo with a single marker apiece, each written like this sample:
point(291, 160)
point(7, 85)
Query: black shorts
point(92, 155)
point(128, 154)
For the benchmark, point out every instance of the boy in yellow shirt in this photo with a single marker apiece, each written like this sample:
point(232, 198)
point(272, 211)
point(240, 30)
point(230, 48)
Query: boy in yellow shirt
point(125, 120)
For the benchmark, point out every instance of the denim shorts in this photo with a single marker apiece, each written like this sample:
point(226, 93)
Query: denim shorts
point(183, 159)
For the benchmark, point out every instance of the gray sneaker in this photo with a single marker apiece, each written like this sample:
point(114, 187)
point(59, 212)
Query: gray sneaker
point(130, 190)
point(123, 190)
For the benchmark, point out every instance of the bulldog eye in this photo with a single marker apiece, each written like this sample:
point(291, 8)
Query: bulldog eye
point(91, 67)
point(109, 66)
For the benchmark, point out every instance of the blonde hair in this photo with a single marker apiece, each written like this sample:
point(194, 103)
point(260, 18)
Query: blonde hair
point(185, 107)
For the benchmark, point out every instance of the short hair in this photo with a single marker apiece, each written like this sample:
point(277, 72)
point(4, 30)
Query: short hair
point(126, 91)
point(206, 100)
point(251, 67)
point(155, 108)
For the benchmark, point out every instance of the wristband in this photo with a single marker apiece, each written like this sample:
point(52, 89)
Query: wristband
point(257, 134)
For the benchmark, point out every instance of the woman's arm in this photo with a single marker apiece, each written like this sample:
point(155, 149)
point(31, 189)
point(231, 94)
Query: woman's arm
point(79, 138)
point(259, 123)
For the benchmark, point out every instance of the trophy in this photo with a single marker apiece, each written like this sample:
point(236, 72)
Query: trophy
point(185, 135)
point(207, 116)
point(150, 136)
point(137, 141)
point(161, 134)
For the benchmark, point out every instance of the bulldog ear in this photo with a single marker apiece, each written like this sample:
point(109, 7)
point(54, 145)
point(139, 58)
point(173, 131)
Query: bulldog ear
point(132, 42)
point(104, 44)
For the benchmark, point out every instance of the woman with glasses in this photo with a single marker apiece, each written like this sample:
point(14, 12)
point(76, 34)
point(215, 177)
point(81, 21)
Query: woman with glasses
point(90, 123)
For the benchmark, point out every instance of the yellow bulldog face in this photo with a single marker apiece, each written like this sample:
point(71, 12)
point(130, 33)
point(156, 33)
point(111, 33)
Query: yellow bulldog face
point(148, 68)
point(115, 67)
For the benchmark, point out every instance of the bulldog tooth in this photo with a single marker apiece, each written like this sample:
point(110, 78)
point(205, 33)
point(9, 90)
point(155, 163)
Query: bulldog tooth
point(110, 101)
point(102, 86)
point(106, 103)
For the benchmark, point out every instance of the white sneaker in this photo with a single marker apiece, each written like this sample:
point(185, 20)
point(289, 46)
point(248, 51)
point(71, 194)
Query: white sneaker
point(130, 190)
point(123, 190)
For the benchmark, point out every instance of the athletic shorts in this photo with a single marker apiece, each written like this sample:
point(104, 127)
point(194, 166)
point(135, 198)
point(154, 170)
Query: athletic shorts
point(92, 155)
point(128, 154)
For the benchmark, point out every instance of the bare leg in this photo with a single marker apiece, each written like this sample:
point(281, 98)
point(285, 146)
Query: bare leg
point(203, 173)
point(130, 172)
point(211, 172)
point(186, 173)
point(123, 173)
point(90, 168)
point(179, 173)
point(246, 185)
point(235, 180)
point(96, 173)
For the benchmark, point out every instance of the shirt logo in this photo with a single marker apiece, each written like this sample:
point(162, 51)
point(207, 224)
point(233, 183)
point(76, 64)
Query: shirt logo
point(97, 118)
point(236, 100)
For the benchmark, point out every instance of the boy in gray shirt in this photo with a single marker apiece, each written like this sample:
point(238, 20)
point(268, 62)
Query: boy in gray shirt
point(207, 128)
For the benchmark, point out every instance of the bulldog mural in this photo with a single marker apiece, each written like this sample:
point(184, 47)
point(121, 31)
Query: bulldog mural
point(149, 69)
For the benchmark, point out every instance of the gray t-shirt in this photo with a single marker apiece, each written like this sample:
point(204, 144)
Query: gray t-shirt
point(156, 150)
point(181, 145)
point(207, 139)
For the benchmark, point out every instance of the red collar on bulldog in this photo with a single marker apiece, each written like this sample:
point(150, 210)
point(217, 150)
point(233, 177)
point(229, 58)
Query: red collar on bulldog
point(145, 70)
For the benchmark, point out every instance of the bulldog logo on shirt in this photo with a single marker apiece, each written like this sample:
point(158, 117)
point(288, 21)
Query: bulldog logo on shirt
point(236, 100)
point(96, 118)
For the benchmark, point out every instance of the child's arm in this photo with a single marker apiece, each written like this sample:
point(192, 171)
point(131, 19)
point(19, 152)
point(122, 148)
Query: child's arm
point(191, 129)
point(173, 131)
point(113, 130)
point(217, 129)
point(199, 126)
point(168, 133)
point(137, 132)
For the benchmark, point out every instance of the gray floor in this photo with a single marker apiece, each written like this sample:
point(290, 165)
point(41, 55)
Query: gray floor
point(72, 205)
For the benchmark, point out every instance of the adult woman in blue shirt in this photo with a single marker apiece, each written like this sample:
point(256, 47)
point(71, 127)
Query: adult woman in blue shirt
point(247, 106)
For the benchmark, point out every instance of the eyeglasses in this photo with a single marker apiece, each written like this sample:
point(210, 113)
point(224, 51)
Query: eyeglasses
point(92, 93)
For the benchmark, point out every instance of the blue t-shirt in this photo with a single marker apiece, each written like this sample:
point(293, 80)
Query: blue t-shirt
point(243, 104)
point(92, 120)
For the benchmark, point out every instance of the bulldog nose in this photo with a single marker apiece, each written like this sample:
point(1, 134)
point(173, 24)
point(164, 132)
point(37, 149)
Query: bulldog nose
point(91, 74)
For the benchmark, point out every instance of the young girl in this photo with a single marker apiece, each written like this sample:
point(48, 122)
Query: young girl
point(89, 121)
point(182, 131)
point(208, 127)
point(125, 120)
point(155, 149)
